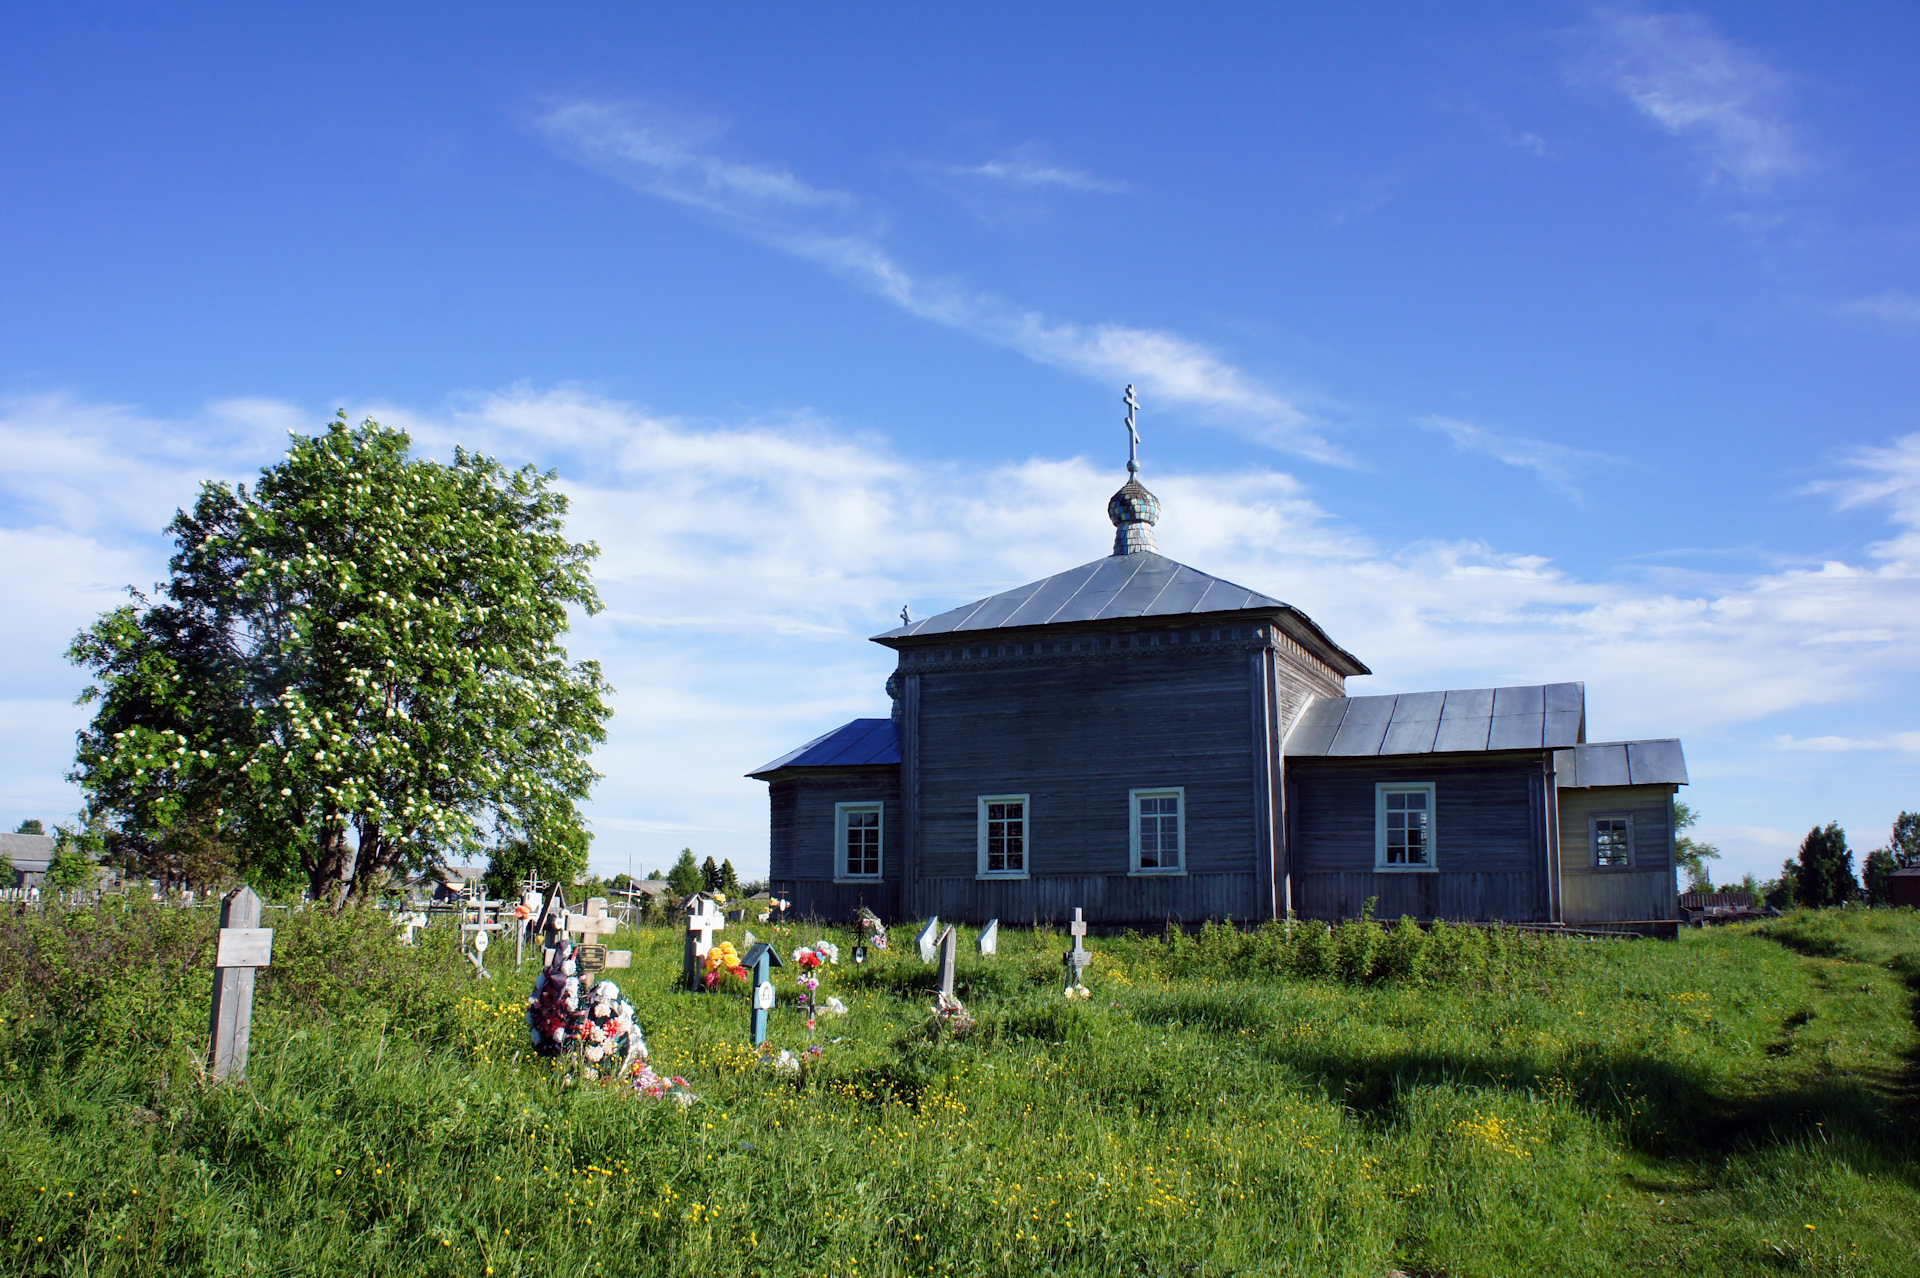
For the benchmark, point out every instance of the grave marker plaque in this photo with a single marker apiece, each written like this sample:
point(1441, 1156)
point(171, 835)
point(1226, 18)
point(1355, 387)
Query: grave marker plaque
point(928, 939)
point(989, 940)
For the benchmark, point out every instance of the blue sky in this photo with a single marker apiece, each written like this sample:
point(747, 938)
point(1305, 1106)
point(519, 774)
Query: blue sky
point(1510, 343)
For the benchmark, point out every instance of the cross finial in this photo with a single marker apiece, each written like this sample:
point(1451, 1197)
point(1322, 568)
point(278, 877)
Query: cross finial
point(1133, 431)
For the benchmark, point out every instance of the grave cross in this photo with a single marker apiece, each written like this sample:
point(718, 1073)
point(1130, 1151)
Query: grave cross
point(409, 921)
point(702, 923)
point(1079, 958)
point(590, 955)
point(929, 937)
point(989, 940)
point(244, 947)
point(947, 943)
point(760, 962)
point(479, 925)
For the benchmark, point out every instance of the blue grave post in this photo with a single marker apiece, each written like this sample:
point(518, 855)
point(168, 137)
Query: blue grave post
point(760, 961)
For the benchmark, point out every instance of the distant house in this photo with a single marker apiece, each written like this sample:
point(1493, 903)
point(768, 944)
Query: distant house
point(445, 882)
point(1146, 741)
point(1903, 887)
point(31, 855)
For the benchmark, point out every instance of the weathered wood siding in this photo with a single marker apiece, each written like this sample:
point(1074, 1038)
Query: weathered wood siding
point(1076, 736)
point(1109, 899)
point(1643, 891)
point(801, 852)
point(1490, 838)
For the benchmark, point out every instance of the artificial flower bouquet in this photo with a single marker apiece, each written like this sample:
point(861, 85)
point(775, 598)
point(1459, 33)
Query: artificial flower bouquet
point(723, 961)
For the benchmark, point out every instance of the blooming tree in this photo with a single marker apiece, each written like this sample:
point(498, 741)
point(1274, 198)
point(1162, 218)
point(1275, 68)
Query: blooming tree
point(354, 667)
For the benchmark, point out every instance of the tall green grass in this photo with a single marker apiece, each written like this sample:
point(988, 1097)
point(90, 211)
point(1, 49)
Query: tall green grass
point(1284, 1100)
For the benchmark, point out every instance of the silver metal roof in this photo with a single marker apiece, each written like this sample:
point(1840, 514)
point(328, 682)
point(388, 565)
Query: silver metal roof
point(851, 745)
point(1116, 588)
point(1602, 763)
point(1533, 717)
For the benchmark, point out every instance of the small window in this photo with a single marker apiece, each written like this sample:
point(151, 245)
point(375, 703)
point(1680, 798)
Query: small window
point(858, 836)
point(1003, 836)
point(1612, 841)
point(1159, 830)
point(1403, 827)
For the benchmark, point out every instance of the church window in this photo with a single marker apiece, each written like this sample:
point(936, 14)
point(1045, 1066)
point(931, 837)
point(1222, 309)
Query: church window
point(1403, 826)
point(1159, 830)
point(1612, 841)
point(857, 835)
point(1003, 836)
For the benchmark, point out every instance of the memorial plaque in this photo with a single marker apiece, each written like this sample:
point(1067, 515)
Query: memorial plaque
point(590, 957)
point(245, 947)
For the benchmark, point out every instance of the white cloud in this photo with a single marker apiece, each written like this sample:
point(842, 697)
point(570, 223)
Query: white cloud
point(1023, 167)
point(744, 565)
point(1555, 464)
point(1904, 742)
point(1688, 79)
point(834, 231)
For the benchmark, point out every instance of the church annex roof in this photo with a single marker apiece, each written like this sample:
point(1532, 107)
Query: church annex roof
point(1120, 587)
point(851, 745)
point(1539, 716)
point(1603, 763)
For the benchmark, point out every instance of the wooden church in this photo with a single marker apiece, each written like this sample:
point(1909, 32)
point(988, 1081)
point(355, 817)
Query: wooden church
point(1138, 738)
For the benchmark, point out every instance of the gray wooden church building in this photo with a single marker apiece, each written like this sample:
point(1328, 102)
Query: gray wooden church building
point(1151, 743)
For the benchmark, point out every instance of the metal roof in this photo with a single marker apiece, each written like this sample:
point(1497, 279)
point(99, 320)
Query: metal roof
point(851, 745)
point(1601, 763)
point(1116, 588)
point(1533, 717)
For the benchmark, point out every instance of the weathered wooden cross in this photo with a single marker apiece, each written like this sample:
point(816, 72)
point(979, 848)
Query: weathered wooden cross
point(1079, 958)
point(702, 922)
point(530, 896)
point(590, 955)
point(947, 943)
point(760, 961)
point(244, 948)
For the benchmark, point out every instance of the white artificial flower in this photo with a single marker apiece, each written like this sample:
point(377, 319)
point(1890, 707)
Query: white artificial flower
point(835, 1006)
point(787, 1063)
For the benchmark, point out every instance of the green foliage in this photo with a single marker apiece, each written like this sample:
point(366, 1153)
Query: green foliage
point(710, 878)
point(1905, 843)
point(1361, 951)
point(685, 875)
point(517, 861)
point(365, 642)
point(31, 826)
point(70, 868)
point(1824, 874)
point(1691, 854)
point(1731, 1103)
point(1875, 866)
point(729, 880)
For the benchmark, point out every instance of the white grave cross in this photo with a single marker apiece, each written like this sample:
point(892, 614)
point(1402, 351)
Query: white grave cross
point(702, 922)
point(1079, 958)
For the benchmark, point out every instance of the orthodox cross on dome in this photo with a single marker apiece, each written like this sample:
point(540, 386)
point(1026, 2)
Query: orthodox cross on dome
point(1133, 431)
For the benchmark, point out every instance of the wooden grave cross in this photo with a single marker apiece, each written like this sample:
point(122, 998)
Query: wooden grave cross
point(760, 961)
point(532, 895)
point(928, 939)
point(989, 939)
point(947, 943)
point(244, 948)
point(702, 923)
point(591, 956)
point(1079, 958)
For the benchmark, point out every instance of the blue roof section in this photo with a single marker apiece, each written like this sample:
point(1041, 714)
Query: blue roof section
point(859, 744)
point(1117, 588)
point(1531, 717)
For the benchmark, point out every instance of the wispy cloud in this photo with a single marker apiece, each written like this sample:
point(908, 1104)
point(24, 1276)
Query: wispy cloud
point(1688, 79)
point(1023, 167)
point(1554, 464)
point(1902, 742)
point(835, 231)
point(1888, 476)
point(1894, 308)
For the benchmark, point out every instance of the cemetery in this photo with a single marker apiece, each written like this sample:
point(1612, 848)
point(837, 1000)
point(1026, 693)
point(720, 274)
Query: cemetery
point(279, 1088)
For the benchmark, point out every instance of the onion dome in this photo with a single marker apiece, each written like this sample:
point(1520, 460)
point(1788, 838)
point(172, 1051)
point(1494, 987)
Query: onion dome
point(1134, 511)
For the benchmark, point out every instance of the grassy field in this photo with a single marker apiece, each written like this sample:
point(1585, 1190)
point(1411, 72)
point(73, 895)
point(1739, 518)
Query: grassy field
point(1739, 1102)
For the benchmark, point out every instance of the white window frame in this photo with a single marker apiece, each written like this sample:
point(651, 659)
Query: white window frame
point(1593, 841)
point(1380, 791)
point(840, 872)
point(1175, 792)
point(1026, 836)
